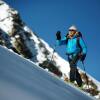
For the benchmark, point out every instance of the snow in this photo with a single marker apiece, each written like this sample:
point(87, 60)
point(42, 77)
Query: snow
point(3, 11)
point(21, 79)
point(92, 79)
point(62, 63)
point(95, 81)
point(27, 29)
point(6, 20)
point(6, 24)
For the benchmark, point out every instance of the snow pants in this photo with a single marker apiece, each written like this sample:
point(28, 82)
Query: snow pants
point(74, 74)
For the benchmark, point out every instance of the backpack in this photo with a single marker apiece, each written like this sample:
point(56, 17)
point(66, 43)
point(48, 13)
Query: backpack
point(78, 43)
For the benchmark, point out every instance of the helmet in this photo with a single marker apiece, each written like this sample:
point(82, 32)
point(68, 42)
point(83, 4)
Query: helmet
point(73, 28)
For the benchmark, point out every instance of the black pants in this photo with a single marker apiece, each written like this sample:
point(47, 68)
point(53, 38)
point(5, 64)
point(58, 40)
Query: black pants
point(74, 74)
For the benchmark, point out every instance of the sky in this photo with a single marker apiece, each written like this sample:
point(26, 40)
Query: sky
point(46, 17)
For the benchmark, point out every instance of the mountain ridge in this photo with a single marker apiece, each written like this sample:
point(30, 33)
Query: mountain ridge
point(14, 32)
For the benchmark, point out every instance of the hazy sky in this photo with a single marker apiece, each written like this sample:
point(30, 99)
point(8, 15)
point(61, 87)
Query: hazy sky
point(45, 17)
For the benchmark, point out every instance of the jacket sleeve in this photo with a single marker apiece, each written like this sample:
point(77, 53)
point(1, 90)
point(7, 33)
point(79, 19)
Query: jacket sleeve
point(83, 46)
point(61, 42)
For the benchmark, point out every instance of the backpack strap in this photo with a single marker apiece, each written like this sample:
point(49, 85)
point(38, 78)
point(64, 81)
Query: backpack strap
point(79, 35)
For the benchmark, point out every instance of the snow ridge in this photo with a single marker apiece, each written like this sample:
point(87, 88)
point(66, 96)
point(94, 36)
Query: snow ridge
point(16, 36)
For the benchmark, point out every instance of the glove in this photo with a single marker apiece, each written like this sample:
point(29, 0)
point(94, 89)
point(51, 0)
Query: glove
point(82, 57)
point(58, 36)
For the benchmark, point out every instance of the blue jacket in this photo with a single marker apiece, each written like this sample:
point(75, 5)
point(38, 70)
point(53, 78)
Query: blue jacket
point(72, 45)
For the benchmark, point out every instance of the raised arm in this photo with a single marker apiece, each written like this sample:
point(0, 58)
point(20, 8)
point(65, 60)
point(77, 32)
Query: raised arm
point(62, 41)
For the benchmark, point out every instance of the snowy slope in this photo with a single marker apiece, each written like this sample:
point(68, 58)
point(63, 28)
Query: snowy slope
point(21, 79)
point(12, 27)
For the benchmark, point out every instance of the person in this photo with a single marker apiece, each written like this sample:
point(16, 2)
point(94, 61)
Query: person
point(75, 49)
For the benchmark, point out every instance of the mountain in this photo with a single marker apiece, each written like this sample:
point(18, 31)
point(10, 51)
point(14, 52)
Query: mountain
point(16, 36)
point(21, 79)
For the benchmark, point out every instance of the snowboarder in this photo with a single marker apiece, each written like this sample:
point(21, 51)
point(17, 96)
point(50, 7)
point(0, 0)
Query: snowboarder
point(75, 49)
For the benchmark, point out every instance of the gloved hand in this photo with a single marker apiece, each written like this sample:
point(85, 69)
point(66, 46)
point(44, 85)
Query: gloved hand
point(58, 36)
point(82, 57)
